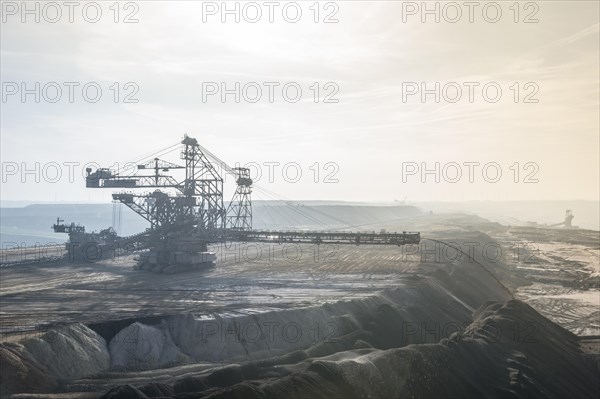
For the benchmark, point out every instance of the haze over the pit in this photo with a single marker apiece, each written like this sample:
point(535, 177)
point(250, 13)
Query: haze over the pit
point(369, 133)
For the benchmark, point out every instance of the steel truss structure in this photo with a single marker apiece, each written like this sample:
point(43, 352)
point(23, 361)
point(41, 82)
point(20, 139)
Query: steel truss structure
point(193, 215)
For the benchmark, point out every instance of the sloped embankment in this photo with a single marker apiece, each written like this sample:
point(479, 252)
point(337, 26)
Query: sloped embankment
point(38, 364)
point(425, 338)
point(424, 309)
point(492, 357)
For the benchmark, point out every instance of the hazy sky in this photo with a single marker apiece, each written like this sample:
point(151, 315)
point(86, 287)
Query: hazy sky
point(371, 55)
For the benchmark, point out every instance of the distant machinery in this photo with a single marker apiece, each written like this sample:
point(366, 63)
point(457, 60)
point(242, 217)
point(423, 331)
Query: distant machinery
point(567, 223)
point(186, 220)
point(86, 246)
point(568, 218)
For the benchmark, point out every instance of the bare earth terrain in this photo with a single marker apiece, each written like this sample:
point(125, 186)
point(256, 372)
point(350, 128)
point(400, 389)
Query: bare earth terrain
point(351, 308)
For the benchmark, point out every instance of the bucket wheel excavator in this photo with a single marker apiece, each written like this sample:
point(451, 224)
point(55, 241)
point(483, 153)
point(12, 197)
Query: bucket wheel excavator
point(187, 214)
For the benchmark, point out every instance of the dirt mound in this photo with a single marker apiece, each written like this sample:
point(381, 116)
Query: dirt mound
point(19, 371)
point(140, 346)
point(40, 363)
point(509, 350)
point(424, 310)
point(70, 352)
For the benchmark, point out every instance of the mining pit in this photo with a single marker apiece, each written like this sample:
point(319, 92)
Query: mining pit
point(441, 319)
